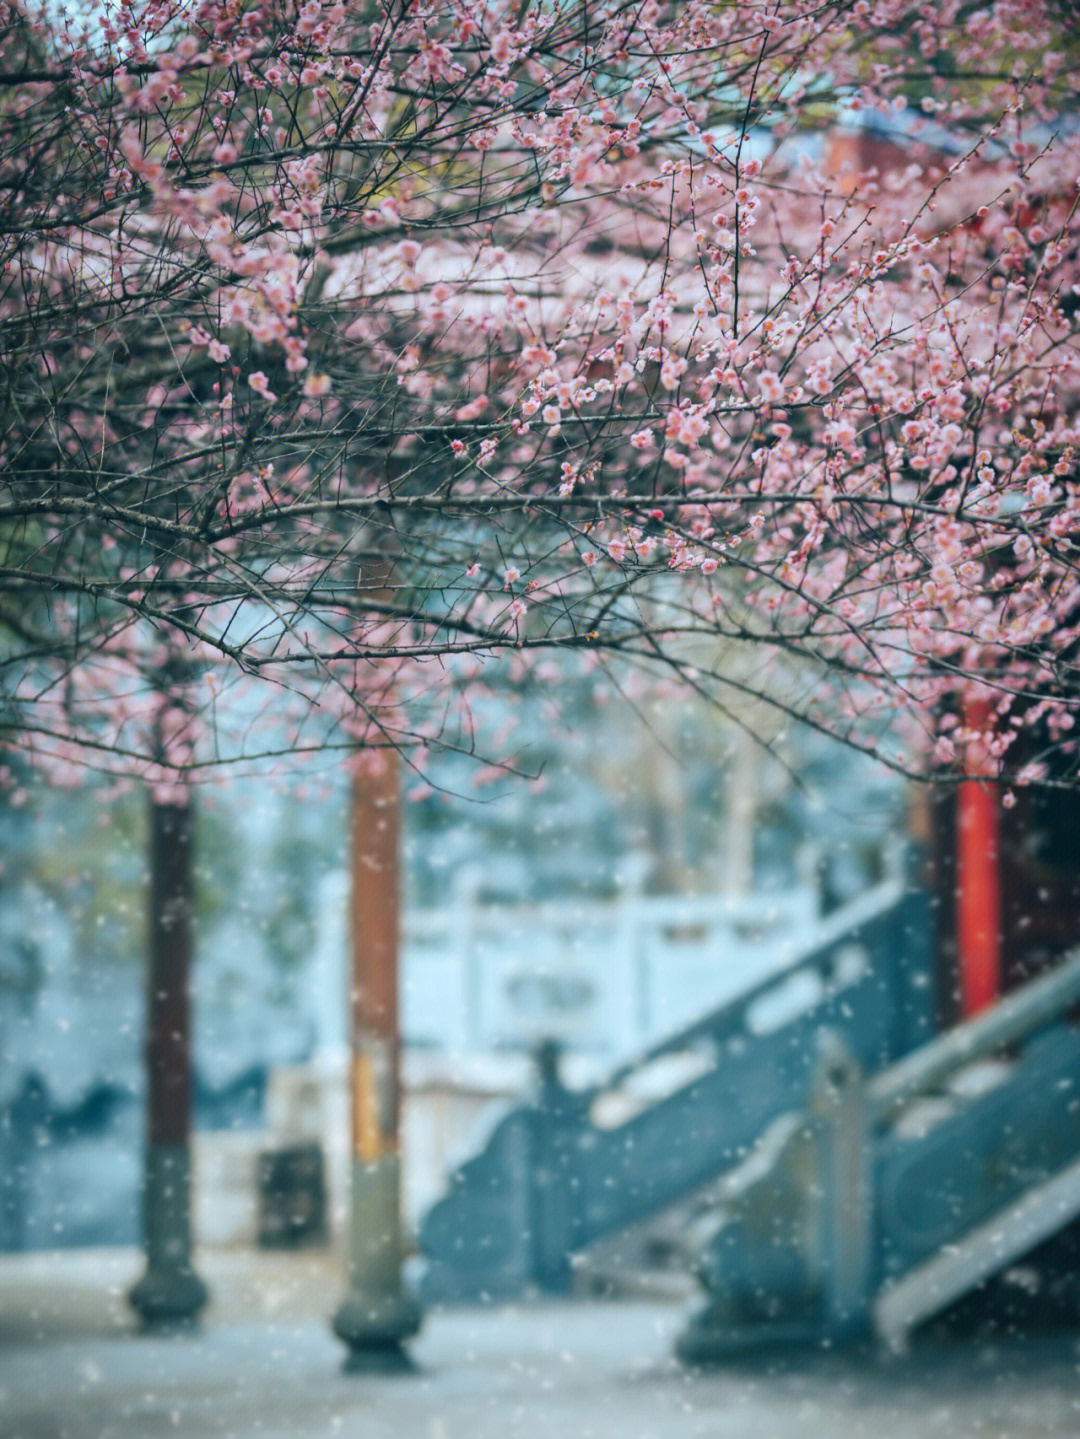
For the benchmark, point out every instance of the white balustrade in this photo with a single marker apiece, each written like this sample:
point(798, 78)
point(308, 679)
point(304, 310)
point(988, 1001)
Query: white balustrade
point(602, 976)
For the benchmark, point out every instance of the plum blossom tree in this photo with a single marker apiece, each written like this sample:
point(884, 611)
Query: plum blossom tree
point(357, 347)
point(354, 350)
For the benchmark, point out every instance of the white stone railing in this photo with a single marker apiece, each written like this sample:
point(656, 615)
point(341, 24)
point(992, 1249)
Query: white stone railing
point(607, 976)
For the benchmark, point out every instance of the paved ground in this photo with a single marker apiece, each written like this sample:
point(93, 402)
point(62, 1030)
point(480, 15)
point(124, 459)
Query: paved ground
point(265, 1366)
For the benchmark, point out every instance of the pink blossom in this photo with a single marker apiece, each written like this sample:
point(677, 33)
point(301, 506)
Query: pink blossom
point(862, 376)
point(261, 385)
point(472, 410)
point(315, 386)
point(771, 387)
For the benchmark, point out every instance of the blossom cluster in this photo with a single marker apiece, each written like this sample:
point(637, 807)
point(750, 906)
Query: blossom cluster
point(348, 340)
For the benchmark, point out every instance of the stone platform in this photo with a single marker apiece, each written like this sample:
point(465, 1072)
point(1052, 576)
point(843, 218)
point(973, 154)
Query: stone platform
point(265, 1365)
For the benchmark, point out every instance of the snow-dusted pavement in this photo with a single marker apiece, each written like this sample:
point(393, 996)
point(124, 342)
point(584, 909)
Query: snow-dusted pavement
point(265, 1366)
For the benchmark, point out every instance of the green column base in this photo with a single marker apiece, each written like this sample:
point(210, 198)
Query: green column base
point(375, 1327)
point(170, 1294)
point(377, 1315)
point(168, 1298)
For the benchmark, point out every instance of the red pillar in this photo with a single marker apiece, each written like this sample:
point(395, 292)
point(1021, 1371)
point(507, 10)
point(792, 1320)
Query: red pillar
point(375, 904)
point(978, 882)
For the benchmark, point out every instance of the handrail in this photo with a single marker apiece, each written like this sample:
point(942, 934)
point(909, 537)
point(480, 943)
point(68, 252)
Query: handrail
point(1032, 1008)
point(727, 1018)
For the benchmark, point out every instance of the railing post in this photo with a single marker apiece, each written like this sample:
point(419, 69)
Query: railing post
point(838, 1104)
point(635, 953)
point(553, 1195)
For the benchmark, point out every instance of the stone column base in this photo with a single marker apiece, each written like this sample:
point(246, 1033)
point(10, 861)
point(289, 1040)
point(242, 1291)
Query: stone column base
point(170, 1293)
point(377, 1315)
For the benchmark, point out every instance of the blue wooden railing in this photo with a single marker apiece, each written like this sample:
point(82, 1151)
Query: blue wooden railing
point(885, 1198)
point(577, 1166)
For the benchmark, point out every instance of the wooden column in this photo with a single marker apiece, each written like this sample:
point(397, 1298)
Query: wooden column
point(169, 1292)
point(978, 882)
point(377, 1314)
